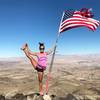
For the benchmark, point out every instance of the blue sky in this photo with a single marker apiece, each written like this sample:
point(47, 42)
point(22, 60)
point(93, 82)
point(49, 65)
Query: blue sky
point(34, 21)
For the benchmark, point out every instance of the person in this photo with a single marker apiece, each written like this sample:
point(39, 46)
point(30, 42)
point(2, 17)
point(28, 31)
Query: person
point(39, 64)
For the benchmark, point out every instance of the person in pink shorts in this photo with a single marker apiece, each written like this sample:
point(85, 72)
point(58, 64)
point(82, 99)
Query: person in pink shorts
point(39, 64)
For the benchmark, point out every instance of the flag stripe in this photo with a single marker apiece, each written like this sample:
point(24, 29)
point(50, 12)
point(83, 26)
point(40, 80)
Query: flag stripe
point(74, 26)
point(84, 22)
point(80, 19)
point(78, 23)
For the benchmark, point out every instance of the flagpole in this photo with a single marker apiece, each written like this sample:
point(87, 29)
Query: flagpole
point(51, 65)
point(58, 35)
point(52, 60)
point(53, 56)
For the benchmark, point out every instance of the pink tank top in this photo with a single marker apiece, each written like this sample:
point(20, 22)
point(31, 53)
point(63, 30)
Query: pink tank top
point(42, 59)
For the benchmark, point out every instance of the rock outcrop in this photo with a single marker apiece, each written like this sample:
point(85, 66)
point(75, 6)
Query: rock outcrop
point(36, 96)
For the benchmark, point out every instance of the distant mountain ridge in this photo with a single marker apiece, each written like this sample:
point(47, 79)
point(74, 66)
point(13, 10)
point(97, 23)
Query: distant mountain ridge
point(77, 56)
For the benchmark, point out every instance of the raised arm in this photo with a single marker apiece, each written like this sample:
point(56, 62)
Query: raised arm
point(50, 51)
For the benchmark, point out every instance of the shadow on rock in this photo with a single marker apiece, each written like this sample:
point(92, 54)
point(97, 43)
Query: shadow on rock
point(2, 97)
point(68, 97)
point(18, 97)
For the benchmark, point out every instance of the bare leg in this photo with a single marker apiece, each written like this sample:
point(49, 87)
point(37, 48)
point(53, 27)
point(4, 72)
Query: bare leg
point(34, 63)
point(28, 49)
point(32, 60)
point(40, 78)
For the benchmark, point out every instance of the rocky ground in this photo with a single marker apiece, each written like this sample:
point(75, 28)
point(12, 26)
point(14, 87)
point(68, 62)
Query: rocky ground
point(75, 77)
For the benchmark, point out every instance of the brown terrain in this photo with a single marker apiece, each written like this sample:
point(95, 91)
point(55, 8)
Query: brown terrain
point(74, 77)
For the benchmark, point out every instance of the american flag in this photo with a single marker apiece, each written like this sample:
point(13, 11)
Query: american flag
point(72, 19)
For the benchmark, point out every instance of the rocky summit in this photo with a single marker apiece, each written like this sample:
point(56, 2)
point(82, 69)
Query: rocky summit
point(38, 97)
